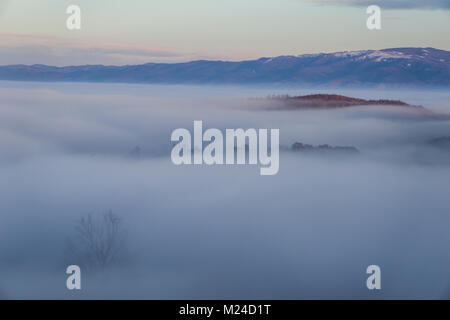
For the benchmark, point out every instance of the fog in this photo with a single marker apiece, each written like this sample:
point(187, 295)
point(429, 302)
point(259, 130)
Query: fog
point(204, 232)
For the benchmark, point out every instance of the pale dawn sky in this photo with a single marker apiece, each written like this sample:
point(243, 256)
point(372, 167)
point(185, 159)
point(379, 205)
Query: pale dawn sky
point(140, 31)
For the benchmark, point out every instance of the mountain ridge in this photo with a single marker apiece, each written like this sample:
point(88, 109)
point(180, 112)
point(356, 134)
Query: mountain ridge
point(386, 67)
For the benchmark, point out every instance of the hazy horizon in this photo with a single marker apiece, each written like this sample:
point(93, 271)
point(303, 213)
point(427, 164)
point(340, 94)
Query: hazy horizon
point(218, 60)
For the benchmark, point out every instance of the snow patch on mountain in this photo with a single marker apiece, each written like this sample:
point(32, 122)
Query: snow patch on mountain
point(350, 54)
point(378, 56)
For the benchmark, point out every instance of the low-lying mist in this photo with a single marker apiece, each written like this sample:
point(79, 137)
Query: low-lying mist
point(70, 151)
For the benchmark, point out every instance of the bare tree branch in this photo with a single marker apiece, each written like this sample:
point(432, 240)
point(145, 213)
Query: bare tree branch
point(98, 243)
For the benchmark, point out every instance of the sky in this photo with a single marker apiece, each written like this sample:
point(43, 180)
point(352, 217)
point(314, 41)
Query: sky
point(140, 31)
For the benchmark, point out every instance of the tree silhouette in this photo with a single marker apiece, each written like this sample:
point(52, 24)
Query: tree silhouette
point(99, 243)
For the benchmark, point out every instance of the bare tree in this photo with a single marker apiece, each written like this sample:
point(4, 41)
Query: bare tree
point(99, 243)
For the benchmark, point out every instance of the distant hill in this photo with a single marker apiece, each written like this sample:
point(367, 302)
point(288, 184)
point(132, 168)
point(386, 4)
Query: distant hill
point(333, 101)
point(388, 67)
point(329, 101)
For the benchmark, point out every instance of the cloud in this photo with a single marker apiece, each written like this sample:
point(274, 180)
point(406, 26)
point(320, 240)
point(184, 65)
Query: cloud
point(33, 49)
point(392, 4)
point(218, 232)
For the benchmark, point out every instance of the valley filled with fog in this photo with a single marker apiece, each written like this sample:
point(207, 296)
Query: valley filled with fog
point(70, 150)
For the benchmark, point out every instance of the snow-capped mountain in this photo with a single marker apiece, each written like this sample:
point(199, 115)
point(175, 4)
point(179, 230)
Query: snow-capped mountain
point(399, 66)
